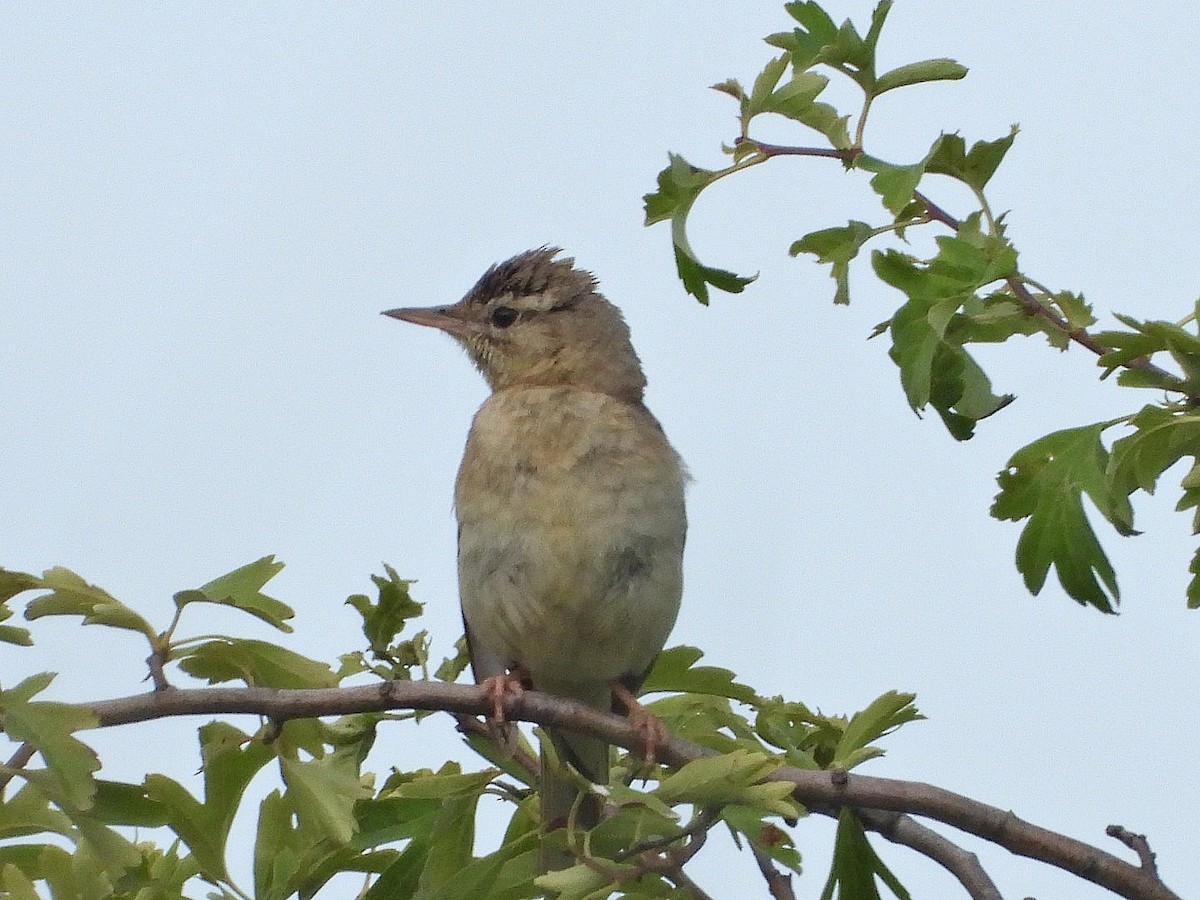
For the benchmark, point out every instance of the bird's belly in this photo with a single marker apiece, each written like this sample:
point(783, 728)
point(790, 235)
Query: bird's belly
point(564, 602)
point(570, 563)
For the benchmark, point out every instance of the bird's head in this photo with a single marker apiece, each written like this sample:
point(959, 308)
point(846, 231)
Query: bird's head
point(537, 320)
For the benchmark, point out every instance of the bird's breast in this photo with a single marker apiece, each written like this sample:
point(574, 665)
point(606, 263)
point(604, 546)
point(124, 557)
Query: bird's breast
point(571, 532)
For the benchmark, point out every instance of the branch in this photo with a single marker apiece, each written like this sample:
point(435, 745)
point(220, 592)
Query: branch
point(962, 864)
point(1138, 844)
point(1016, 284)
point(778, 884)
point(819, 791)
point(19, 760)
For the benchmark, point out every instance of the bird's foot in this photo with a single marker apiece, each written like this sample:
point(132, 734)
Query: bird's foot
point(648, 726)
point(498, 689)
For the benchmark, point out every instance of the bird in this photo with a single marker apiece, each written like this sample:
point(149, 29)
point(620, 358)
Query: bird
point(570, 508)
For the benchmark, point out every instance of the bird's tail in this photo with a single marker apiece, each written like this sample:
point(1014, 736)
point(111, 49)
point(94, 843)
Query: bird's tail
point(559, 792)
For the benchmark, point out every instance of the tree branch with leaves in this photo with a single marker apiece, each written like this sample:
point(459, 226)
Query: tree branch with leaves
point(734, 760)
point(971, 291)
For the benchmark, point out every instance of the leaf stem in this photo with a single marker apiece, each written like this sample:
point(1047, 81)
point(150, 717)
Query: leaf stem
point(862, 121)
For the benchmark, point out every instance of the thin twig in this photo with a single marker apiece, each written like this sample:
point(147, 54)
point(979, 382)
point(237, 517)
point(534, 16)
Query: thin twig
point(19, 760)
point(779, 150)
point(1138, 844)
point(684, 882)
point(779, 884)
point(701, 822)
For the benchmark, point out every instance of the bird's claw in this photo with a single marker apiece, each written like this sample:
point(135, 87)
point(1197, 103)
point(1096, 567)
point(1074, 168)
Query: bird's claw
point(645, 724)
point(499, 689)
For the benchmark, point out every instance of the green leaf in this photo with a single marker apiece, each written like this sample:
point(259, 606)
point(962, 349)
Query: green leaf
point(13, 583)
point(277, 849)
point(387, 617)
point(11, 634)
point(1193, 588)
point(762, 835)
point(242, 589)
point(28, 811)
point(805, 43)
point(1075, 309)
point(506, 874)
point(70, 595)
point(119, 803)
point(450, 845)
point(915, 73)
point(894, 184)
point(678, 186)
point(795, 100)
point(449, 782)
point(734, 777)
point(50, 727)
point(1146, 339)
point(836, 246)
point(731, 87)
point(16, 885)
point(323, 792)
point(961, 392)
point(765, 83)
point(675, 669)
point(257, 663)
point(696, 276)
point(928, 331)
point(706, 720)
point(856, 865)
point(1162, 438)
point(885, 714)
point(579, 882)
point(231, 760)
point(453, 666)
point(1044, 482)
point(949, 156)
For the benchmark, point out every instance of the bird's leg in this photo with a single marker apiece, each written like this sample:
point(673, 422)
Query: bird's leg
point(647, 725)
point(499, 688)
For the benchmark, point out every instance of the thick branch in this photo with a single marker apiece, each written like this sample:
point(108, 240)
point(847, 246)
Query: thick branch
point(817, 790)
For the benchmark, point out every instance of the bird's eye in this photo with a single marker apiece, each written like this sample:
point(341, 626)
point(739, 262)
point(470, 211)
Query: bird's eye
point(503, 316)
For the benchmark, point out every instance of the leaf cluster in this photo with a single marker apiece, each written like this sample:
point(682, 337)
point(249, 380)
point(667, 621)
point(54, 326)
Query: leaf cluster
point(970, 290)
point(410, 833)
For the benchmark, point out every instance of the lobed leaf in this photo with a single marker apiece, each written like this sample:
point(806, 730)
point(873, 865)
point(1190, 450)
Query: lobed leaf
point(884, 714)
point(322, 793)
point(257, 663)
point(231, 760)
point(1044, 482)
point(50, 727)
point(70, 595)
point(678, 186)
point(242, 589)
point(856, 866)
point(975, 167)
point(836, 246)
point(675, 669)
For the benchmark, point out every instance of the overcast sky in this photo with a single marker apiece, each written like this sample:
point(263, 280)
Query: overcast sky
point(206, 206)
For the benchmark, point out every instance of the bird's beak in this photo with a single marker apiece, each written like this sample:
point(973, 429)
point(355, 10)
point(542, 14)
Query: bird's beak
point(444, 318)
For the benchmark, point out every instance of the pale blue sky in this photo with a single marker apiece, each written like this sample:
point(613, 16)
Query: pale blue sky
point(207, 205)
